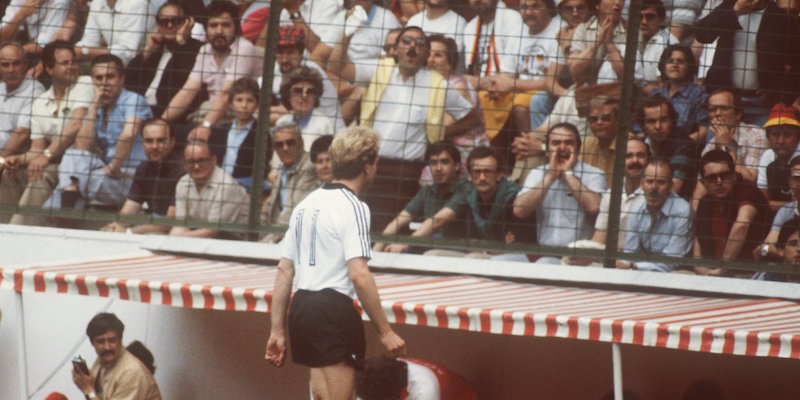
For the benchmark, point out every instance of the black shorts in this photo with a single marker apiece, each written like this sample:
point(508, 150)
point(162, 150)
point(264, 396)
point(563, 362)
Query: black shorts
point(324, 329)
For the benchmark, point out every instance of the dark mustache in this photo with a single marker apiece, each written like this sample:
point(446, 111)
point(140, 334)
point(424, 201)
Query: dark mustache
point(411, 52)
point(636, 165)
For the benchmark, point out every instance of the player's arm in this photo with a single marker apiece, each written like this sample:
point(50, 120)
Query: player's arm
point(367, 293)
point(276, 345)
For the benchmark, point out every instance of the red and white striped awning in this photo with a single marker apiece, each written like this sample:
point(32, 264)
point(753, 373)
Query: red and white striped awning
point(753, 327)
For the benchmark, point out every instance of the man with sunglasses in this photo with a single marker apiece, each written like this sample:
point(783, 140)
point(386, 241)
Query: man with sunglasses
point(159, 72)
point(206, 193)
point(294, 178)
point(30, 177)
point(598, 148)
point(732, 218)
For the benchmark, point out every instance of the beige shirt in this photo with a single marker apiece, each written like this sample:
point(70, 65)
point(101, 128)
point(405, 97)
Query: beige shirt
point(221, 200)
point(49, 116)
point(128, 379)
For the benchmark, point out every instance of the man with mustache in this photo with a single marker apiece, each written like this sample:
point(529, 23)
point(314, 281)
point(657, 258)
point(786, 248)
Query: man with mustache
point(732, 218)
point(224, 59)
point(564, 193)
point(661, 225)
point(406, 104)
point(117, 373)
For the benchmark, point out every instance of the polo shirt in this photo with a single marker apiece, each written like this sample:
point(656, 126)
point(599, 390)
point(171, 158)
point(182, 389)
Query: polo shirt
point(221, 200)
point(241, 62)
point(15, 107)
point(666, 232)
point(48, 116)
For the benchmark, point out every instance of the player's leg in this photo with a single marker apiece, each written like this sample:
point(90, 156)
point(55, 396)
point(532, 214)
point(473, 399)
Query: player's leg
point(319, 387)
point(340, 379)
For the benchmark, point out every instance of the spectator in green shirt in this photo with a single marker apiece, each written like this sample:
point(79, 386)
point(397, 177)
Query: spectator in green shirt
point(434, 202)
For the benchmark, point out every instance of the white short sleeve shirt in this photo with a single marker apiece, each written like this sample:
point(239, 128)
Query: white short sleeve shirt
point(48, 116)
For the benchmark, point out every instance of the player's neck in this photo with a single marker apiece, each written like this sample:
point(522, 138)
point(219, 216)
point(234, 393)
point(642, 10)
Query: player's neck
point(353, 184)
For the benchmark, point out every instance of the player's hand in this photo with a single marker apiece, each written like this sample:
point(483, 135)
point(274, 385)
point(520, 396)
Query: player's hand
point(394, 344)
point(276, 349)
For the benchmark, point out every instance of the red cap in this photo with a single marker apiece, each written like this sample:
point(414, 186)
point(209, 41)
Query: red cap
point(291, 36)
point(782, 115)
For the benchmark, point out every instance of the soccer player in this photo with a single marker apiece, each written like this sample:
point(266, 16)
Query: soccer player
point(327, 245)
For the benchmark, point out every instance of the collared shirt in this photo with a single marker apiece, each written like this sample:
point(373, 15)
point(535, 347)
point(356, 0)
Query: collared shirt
point(630, 202)
point(122, 28)
point(666, 232)
point(236, 137)
point(367, 42)
point(221, 199)
point(749, 140)
point(241, 62)
point(15, 107)
point(402, 112)
point(559, 217)
point(49, 116)
point(593, 154)
point(585, 35)
point(432, 198)
point(647, 59)
point(42, 24)
point(128, 105)
point(128, 378)
point(689, 102)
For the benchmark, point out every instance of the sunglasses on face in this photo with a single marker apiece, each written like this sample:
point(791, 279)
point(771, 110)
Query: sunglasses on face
point(167, 21)
point(301, 91)
point(718, 178)
point(286, 144)
point(604, 118)
point(408, 40)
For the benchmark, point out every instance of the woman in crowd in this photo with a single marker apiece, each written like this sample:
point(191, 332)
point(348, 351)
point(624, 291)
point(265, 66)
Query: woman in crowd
point(300, 94)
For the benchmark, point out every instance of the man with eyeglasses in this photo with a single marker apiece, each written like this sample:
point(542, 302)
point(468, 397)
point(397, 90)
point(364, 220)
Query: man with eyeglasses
point(225, 58)
point(783, 135)
point(732, 218)
point(407, 105)
point(293, 180)
point(115, 27)
point(434, 204)
point(743, 141)
point(658, 120)
point(598, 149)
point(31, 176)
point(207, 194)
point(159, 72)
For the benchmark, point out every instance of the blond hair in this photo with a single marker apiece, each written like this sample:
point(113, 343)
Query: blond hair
point(352, 150)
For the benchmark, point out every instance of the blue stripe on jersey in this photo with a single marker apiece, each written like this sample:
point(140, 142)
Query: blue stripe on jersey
point(361, 221)
point(298, 233)
point(312, 258)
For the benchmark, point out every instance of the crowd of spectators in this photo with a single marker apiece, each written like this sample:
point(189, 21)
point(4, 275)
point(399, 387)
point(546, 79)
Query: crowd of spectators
point(499, 119)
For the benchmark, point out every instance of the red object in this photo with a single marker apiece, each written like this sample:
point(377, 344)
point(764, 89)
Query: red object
point(291, 36)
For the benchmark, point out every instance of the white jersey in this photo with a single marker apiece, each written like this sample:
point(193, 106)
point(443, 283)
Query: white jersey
point(327, 228)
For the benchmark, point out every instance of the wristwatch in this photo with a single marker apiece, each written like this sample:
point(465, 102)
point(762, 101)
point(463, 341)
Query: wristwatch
point(84, 51)
point(47, 154)
point(764, 250)
point(569, 172)
point(295, 15)
point(91, 396)
point(206, 124)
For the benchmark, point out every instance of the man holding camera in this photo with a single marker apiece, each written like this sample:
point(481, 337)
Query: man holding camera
point(117, 374)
